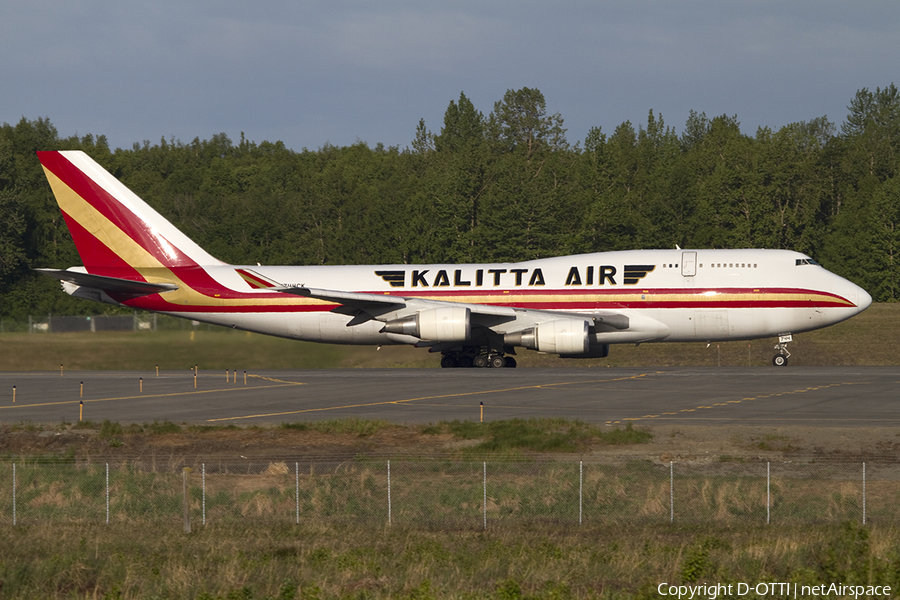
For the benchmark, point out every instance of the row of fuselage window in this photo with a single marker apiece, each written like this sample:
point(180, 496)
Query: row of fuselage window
point(718, 265)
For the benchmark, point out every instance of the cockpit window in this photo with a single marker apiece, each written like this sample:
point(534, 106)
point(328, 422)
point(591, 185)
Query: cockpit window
point(805, 261)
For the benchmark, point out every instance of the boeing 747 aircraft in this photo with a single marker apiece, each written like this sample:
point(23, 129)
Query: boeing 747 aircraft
point(475, 315)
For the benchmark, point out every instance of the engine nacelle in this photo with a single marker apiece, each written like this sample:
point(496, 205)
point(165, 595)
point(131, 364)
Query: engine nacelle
point(445, 324)
point(563, 336)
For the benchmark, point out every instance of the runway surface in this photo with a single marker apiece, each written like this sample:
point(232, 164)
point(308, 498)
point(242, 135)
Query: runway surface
point(853, 396)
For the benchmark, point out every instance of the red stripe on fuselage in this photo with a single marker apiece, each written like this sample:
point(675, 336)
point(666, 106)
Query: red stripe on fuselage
point(228, 301)
point(611, 291)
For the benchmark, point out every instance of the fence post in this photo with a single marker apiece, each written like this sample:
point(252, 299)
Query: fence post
point(671, 492)
point(580, 488)
point(389, 490)
point(864, 493)
point(187, 513)
point(484, 498)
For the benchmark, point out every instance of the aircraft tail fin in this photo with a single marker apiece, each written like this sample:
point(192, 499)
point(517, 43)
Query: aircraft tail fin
point(111, 226)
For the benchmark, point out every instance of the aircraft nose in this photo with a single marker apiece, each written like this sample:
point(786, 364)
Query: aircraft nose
point(863, 299)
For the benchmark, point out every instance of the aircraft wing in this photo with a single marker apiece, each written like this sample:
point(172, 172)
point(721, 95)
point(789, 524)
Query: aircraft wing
point(364, 307)
point(109, 284)
point(356, 299)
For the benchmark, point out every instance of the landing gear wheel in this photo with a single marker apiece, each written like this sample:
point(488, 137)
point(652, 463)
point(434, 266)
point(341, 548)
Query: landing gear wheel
point(464, 362)
point(448, 362)
point(498, 362)
point(480, 362)
point(781, 359)
point(510, 362)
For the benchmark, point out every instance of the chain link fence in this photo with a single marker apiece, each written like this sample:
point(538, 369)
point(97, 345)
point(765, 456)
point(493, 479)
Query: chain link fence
point(137, 321)
point(447, 493)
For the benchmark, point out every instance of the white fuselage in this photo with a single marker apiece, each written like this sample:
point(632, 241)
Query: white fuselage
point(673, 295)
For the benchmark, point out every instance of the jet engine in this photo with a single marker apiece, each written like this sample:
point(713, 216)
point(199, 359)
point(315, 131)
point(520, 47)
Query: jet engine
point(445, 324)
point(564, 336)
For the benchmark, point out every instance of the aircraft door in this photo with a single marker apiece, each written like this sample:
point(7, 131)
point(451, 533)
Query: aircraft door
point(689, 264)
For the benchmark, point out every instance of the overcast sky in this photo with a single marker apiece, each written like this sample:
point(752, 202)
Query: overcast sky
point(310, 73)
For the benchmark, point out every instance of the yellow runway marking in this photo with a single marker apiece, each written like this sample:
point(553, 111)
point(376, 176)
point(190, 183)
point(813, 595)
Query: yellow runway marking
point(772, 395)
point(438, 397)
point(276, 380)
point(145, 396)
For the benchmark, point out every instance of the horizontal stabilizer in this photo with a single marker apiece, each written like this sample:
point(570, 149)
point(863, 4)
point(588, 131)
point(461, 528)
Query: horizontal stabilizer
point(109, 284)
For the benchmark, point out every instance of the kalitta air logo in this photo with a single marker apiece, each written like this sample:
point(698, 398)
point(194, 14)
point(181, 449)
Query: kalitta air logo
point(395, 278)
point(634, 273)
point(577, 276)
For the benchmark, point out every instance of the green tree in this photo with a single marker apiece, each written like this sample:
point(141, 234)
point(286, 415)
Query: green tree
point(520, 120)
point(463, 126)
point(873, 128)
point(450, 192)
point(883, 264)
point(664, 214)
point(606, 222)
point(529, 209)
point(865, 155)
point(792, 187)
point(424, 141)
point(721, 171)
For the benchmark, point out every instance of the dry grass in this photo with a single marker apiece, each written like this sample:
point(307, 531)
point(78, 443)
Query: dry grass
point(134, 561)
point(343, 547)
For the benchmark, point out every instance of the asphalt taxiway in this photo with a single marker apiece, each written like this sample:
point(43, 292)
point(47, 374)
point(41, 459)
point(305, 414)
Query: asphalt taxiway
point(827, 396)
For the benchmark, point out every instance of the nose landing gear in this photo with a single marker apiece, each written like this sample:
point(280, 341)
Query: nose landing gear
point(781, 359)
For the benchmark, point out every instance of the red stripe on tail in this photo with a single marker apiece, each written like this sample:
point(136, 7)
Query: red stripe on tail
point(96, 256)
point(119, 215)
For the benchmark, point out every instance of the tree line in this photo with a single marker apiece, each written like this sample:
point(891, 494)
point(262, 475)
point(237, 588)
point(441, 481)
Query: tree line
point(506, 186)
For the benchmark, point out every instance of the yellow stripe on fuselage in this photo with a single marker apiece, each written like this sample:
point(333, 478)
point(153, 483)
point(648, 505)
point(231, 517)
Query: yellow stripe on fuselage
point(628, 296)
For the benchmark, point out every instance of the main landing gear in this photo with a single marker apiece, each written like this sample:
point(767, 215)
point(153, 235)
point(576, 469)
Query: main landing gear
point(451, 360)
point(781, 359)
